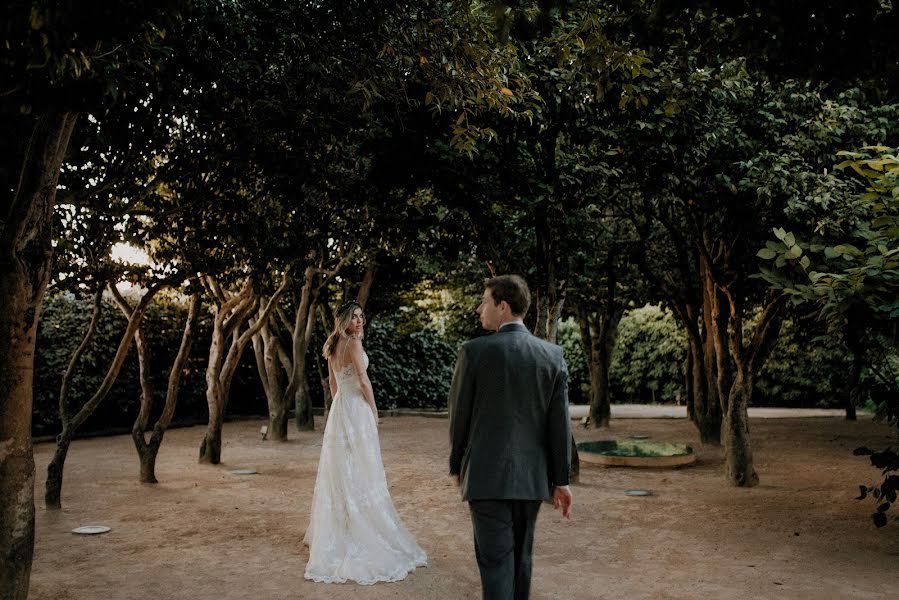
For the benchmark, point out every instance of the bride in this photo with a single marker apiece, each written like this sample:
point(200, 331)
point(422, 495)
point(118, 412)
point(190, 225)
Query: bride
point(354, 532)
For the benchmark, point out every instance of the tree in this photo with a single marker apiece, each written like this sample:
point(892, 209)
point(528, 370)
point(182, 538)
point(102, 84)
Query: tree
point(848, 270)
point(57, 61)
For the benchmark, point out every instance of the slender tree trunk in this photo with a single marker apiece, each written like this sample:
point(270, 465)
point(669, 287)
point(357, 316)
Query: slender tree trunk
point(688, 381)
point(79, 352)
point(53, 487)
point(149, 450)
point(856, 394)
point(740, 470)
point(323, 373)
point(368, 281)
point(278, 409)
point(304, 322)
point(25, 257)
point(146, 387)
point(598, 335)
point(853, 341)
point(230, 317)
point(271, 362)
point(230, 313)
point(710, 418)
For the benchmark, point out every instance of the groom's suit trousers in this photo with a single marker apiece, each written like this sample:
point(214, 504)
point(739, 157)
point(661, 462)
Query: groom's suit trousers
point(503, 543)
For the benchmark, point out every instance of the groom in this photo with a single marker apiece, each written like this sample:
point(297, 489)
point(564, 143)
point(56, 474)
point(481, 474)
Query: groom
point(509, 436)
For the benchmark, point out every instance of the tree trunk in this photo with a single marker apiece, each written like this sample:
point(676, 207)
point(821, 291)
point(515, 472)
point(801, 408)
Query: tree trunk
point(149, 450)
point(709, 421)
point(688, 381)
point(230, 313)
point(25, 258)
point(271, 363)
point(230, 317)
point(53, 488)
point(706, 419)
point(304, 323)
point(303, 417)
point(853, 340)
point(323, 373)
point(368, 281)
point(146, 396)
point(740, 470)
point(598, 334)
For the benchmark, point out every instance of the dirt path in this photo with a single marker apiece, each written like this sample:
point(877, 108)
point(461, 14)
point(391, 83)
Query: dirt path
point(205, 534)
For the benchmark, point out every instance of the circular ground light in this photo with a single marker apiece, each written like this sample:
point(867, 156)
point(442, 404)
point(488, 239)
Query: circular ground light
point(243, 472)
point(635, 453)
point(637, 493)
point(91, 529)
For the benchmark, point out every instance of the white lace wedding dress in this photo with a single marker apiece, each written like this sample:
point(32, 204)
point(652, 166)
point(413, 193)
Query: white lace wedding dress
point(354, 531)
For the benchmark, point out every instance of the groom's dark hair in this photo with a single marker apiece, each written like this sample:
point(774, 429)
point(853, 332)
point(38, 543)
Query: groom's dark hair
point(513, 289)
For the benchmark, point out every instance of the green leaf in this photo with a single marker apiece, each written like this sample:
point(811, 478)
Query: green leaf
point(849, 249)
point(794, 252)
point(830, 253)
point(805, 262)
point(780, 233)
point(789, 239)
point(766, 253)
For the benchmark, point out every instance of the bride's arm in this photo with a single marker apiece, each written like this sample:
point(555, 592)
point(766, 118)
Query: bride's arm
point(359, 363)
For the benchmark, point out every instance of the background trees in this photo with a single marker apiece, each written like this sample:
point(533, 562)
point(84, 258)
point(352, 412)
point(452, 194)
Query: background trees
point(288, 156)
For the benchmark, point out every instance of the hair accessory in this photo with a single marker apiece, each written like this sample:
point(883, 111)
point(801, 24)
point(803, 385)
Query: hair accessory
point(346, 305)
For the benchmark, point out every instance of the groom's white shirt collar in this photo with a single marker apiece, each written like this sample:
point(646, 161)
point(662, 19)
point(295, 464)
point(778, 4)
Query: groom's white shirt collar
point(512, 322)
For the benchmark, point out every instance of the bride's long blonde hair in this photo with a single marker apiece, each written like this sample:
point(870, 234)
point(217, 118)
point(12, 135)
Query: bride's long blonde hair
point(341, 322)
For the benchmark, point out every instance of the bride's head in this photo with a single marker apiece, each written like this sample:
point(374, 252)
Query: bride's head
point(348, 322)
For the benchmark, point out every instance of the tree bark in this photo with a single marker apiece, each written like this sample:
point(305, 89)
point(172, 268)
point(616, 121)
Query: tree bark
point(368, 281)
point(740, 470)
point(148, 458)
point(146, 388)
point(323, 375)
point(273, 364)
point(25, 261)
point(230, 316)
point(598, 334)
point(304, 323)
point(710, 419)
point(148, 450)
point(53, 487)
point(706, 415)
point(853, 341)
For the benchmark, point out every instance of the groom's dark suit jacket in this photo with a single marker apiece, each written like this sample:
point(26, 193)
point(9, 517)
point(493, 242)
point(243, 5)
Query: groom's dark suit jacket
point(510, 432)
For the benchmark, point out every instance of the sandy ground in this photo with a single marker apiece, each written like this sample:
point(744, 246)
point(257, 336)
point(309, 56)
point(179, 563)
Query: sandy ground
point(203, 533)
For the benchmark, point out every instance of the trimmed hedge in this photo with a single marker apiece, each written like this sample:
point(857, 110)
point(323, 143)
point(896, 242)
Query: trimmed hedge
point(411, 370)
point(64, 320)
point(407, 370)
